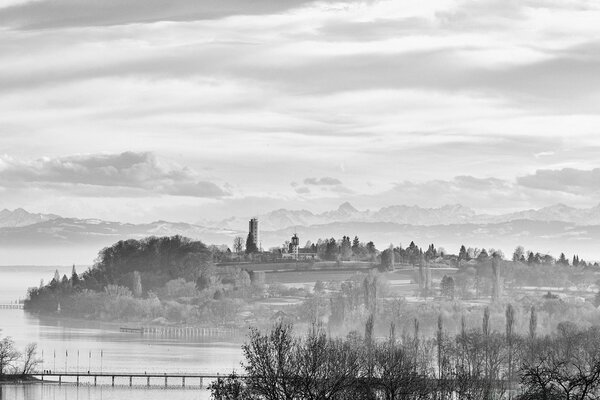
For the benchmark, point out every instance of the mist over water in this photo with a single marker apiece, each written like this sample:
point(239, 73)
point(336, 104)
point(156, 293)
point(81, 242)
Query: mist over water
point(104, 392)
point(61, 340)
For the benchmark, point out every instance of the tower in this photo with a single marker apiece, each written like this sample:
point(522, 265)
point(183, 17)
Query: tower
point(253, 229)
point(294, 245)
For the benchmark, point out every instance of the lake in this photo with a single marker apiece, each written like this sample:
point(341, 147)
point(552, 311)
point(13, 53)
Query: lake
point(72, 345)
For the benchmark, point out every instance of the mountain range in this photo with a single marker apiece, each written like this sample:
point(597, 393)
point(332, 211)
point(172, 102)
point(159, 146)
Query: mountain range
point(412, 215)
point(43, 239)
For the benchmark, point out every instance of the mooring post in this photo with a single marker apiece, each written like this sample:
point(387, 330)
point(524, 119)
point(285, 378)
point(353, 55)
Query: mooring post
point(113, 380)
point(200, 382)
point(183, 381)
point(77, 380)
point(130, 380)
point(59, 379)
point(165, 380)
point(148, 381)
point(95, 379)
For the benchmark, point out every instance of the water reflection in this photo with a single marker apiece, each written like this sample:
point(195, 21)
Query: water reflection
point(87, 392)
point(75, 345)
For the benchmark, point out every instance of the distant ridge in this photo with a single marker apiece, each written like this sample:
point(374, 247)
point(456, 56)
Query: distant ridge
point(27, 238)
point(412, 215)
point(20, 217)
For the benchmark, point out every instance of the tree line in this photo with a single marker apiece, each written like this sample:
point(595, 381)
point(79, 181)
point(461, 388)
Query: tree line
point(475, 363)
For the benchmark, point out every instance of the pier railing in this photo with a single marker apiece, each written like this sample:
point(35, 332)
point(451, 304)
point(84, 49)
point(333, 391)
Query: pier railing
point(148, 378)
point(185, 331)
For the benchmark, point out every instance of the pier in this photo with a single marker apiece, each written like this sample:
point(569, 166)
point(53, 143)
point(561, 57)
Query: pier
point(147, 378)
point(185, 332)
point(12, 306)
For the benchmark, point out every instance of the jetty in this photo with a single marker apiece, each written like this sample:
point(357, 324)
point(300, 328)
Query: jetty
point(12, 306)
point(147, 378)
point(185, 331)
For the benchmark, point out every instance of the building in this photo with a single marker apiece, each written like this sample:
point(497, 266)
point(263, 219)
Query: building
point(253, 229)
point(294, 252)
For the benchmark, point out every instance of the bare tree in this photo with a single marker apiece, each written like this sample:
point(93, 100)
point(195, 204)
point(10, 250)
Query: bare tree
point(8, 355)
point(30, 360)
point(510, 322)
point(238, 244)
point(327, 368)
point(271, 365)
point(395, 373)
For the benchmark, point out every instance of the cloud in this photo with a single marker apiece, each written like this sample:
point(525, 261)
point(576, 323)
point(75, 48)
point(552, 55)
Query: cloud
point(569, 180)
point(107, 174)
point(489, 195)
point(70, 13)
point(302, 190)
point(325, 181)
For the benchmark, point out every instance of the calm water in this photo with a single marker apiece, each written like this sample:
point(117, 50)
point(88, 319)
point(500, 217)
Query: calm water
point(89, 345)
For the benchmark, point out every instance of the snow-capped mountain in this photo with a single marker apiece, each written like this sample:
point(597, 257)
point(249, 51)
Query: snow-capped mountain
point(412, 215)
point(20, 217)
point(559, 212)
point(346, 212)
point(27, 238)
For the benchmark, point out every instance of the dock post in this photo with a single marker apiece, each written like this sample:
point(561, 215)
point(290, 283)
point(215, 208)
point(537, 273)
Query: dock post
point(113, 380)
point(59, 379)
point(148, 381)
point(130, 379)
point(77, 380)
point(200, 382)
point(165, 381)
point(95, 376)
point(183, 381)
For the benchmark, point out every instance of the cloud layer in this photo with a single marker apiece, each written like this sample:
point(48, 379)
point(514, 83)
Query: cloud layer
point(108, 174)
point(490, 103)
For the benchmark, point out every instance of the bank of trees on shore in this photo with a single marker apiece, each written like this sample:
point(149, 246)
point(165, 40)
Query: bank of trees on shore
point(167, 278)
point(474, 363)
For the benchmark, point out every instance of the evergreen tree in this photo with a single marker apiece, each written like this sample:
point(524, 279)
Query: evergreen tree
point(462, 254)
point(371, 248)
point(251, 247)
point(531, 258)
point(532, 323)
point(137, 284)
point(74, 277)
point(483, 255)
point(355, 245)
point(346, 248)
point(562, 260)
point(331, 250)
point(518, 253)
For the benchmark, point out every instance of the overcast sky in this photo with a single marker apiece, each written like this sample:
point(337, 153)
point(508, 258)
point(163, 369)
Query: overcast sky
point(138, 110)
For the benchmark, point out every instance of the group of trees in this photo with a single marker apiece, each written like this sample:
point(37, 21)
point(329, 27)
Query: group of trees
point(16, 363)
point(345, 249)
point(529, 257)
point(167, 277)
point(475, 363)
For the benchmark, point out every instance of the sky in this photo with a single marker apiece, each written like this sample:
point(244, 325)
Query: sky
point(186, 110)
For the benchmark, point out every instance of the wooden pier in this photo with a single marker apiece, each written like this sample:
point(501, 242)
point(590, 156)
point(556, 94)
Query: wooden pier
point(16, 306)
point(185, 332)
point(147, 378)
